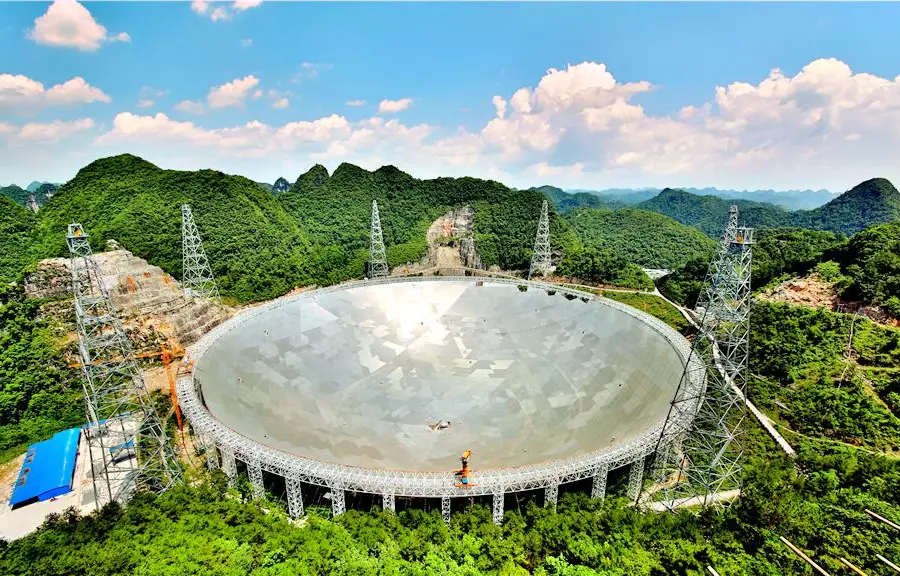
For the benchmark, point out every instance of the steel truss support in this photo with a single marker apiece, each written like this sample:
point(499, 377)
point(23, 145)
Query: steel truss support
point(212, 458)
point(338, 504)
point(387, 502)
point(254, 471)
point(196, 275)
point(445, 508)
point(540, 259)
point(598, 485)
point(378, 266)
point(551, 494)
point(294, 498)
point(229, 466)
point(498, 508)
point(635, 479)
point(704, 459)
point(127, 442)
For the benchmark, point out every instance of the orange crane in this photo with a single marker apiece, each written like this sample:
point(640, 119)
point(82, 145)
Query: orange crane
point(168, 352)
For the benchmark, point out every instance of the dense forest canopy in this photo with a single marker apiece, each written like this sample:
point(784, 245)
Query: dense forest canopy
point(16, 230)
point(645, 238)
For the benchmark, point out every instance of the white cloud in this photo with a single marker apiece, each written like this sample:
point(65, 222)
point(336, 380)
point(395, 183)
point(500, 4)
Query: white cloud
point(146, 103)
point(822, 126)
point(246, 42)
point(199, 6)
point(356, 103)
point(231, 93)
point(22, 94)
point(190, 107)
point(69, 24)
point(281, 103)
point(43, 132)
point(257, 95)
point(241, 5)
point(392, 106)
point(219, 14)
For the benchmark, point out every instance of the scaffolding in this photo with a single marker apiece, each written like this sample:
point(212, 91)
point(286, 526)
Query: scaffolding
point(127, 444)
point(704, 460)
point(540, 259)
point(378, 266)
point(197, 277)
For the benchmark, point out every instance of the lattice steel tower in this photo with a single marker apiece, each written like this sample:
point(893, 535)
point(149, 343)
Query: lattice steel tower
point(197, 278)
point(127, 443)
point(706, 459)
point(378, 267)
point(540, 259)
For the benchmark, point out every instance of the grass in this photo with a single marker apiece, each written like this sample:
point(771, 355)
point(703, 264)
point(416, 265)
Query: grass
point(653, 305)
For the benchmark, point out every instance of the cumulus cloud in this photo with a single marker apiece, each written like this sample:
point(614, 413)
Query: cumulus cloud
point(356, 103)
point(190, 107)
point(146, 103)
point(824, 125)
point(232, 93)
point(43, 132)
point(241, 5)
point(22, 94)
point(393, 106)
point(281, 103)
point(69, 24)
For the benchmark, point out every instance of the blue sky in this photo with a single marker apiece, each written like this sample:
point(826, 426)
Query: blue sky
point(829, 127)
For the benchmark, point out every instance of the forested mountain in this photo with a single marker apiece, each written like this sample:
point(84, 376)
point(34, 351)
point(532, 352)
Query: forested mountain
point(255, 247)
point(871, 259)
point(16, 225)
point(15, 193)
point(648, 239)
point(874, 201)
point(280, 186)
point(565, 202)
point(335, 211)
point(260, 246)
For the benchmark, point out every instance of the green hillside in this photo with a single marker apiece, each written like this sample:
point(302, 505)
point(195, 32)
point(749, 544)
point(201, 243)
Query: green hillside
point(335, 211)
point(565, 202)
point(872, 202)
point(871, 259)
point(15, 193)
point(644, 238)
point(255, 248)
point(16, 226)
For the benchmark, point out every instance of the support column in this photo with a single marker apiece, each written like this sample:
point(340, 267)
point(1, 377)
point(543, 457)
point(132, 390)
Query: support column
point(445, 508)
point(254, 471)
point(294, 498)
point(635, 479)
point(387, 502)
point(498, 508)
point(598, 487)
point(229, 466)
point(551, 493)
point(212, 458)
point(338, 506)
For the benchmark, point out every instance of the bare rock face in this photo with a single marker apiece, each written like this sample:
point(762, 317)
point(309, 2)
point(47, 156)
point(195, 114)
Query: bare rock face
point(451, 240)
point(144, 295)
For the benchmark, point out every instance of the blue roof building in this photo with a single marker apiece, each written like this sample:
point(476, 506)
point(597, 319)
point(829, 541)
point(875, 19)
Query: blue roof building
point(48, 469)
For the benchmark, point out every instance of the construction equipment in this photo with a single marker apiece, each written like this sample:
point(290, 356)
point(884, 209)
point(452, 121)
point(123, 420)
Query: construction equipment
point(463, 473)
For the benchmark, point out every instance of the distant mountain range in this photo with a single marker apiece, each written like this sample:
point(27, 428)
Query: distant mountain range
point(33, 197)
point(872, 202)
point(790, 199)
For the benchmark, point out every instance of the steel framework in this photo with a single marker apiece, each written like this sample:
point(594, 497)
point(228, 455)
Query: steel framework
point(197, 276)
point(704, 460)
point(127, 443)
point(378, 266)
point(540, 259)
point(390, 483)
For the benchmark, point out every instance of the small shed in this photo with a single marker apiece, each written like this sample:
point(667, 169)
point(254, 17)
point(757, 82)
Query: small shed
point(48, 469)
